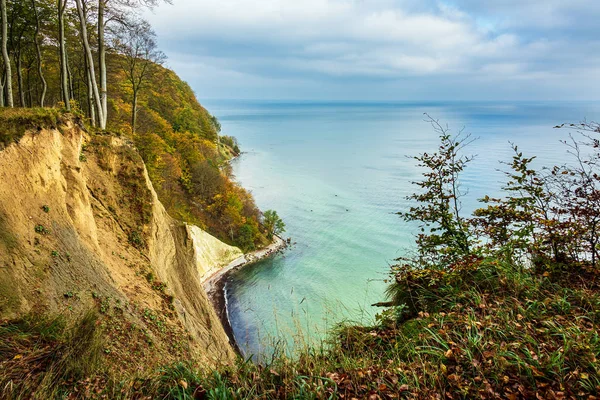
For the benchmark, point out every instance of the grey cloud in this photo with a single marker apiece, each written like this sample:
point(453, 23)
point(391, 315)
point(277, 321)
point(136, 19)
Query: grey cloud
point(284, 48)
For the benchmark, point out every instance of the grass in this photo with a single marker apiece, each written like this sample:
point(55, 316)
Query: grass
point(483, 330)
point(41, 356)
point(16, 121)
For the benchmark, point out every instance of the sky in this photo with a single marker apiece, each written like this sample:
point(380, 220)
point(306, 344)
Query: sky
point(384, 50)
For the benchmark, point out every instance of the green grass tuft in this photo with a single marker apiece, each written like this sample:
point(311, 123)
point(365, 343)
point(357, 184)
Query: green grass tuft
point(16, 121)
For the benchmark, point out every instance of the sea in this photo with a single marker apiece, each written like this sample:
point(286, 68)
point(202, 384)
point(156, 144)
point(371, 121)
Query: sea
point(338, 174)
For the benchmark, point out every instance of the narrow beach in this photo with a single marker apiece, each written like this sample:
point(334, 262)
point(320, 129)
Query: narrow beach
point(215, 284)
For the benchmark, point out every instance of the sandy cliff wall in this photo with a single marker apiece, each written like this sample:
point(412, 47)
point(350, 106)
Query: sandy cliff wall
point(212, 255)
point(81, 227)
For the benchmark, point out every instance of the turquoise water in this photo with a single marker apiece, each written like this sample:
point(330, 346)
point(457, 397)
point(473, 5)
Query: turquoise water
point(337, 173)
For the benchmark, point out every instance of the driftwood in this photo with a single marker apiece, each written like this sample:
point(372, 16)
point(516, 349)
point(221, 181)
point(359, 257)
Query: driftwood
point(383, 304)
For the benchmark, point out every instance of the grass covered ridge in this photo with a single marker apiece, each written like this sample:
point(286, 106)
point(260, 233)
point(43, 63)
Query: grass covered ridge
point(15, 122)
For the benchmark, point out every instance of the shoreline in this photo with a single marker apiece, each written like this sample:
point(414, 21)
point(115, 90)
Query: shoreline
point(214, 286)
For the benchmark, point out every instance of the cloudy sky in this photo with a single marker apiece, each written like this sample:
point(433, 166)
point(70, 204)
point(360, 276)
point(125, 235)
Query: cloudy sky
point(384, 49)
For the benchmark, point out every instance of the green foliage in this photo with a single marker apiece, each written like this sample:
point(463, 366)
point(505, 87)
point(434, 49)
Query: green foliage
point(246, 237)
point(137, 240)
point(232, 143)
point(273, 223)
point(216, 123)
point(552, 215)
point(41, 229)
point(15, 122)
point(185, 121)
point(445, 234)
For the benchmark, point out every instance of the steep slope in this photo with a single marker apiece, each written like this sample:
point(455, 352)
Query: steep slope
point(82, 228)
point(179, 142)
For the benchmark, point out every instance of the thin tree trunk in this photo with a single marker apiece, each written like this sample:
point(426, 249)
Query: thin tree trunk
point(1, 91)
point(20, 88)
point(36, 39)
point(91, 103)
point(90, 94)
point(62, 4)
point(90, 60)
point(102, 59)
point(134, 111)
point(70, 79)
point(29, 90)
point(9, 93)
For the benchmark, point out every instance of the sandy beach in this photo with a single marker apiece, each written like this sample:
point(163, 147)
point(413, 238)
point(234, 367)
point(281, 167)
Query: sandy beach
point(215, 284)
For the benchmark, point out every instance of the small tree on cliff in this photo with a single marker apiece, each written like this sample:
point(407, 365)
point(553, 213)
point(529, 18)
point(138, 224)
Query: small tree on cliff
point(137, 44)
point(273, 223)
point(444, 235)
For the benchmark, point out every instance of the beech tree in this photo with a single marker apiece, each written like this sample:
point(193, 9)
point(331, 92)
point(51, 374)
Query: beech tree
point(5, 56)
point(21, 22)
point(38, 49)
point(90, 62)
point(112, 10)
point(62, 6)
point(137, 43)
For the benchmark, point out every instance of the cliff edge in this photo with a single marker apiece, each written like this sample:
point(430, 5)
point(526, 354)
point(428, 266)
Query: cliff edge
point(81, 228)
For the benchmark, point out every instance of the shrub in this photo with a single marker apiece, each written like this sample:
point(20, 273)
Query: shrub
point(445, 235)
point(41, 230)
point(41, 355)
point(272, 223)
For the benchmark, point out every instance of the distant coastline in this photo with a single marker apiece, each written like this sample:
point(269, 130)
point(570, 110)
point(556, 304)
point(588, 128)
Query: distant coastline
point(215, 284)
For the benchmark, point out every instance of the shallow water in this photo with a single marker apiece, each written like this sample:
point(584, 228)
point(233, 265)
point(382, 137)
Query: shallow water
point(337, 173)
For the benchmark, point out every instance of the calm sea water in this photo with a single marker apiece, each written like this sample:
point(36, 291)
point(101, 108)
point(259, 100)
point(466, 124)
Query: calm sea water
point(337, 173)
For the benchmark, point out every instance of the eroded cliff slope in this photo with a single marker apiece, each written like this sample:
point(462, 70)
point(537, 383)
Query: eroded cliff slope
point(81, 228)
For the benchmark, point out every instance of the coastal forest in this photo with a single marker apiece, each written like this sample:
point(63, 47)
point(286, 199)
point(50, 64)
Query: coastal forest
point(100, 61)
point(106, 155)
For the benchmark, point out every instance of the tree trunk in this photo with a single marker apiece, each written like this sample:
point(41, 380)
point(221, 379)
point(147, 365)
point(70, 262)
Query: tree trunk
point(1, 91)
point(134, 111)
point(102, 59)
point(90, 62)
point(70, 79)
point(39, 54)
point(20, 77)
point(64, 85)
point(9, 94)
point(90, 94)
point(29, 89)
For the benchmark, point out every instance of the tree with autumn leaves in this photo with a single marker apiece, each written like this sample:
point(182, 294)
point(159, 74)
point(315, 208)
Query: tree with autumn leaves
point(100, 60)
point(547, 219)
point(83, 33)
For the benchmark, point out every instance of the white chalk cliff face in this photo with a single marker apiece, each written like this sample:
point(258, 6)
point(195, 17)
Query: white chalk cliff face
point(80, 225)
point(210, 253)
